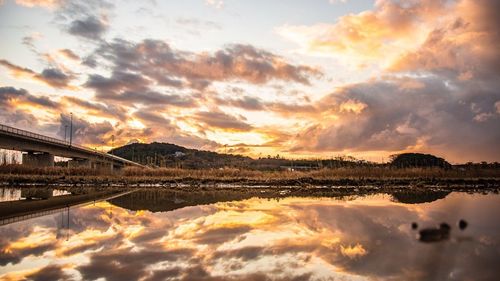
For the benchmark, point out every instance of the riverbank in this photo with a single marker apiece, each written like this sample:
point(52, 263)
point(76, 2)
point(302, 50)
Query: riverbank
point(342, 177)
point(241, 183)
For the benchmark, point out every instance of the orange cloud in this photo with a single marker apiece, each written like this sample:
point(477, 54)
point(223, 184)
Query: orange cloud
point(375, 36)
point(39, 3)
point(353, 106)
point(50, 76)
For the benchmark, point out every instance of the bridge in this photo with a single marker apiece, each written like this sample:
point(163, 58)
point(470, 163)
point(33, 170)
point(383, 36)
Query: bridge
point(39, 151)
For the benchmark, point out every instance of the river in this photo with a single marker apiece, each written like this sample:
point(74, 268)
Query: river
point(163, 235)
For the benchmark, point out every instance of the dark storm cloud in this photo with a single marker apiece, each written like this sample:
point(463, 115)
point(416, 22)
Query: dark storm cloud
point(90, 28)
point(222, 120)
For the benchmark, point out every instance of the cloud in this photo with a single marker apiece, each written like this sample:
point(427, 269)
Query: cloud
point(50, 76)
point(218, 4)
point(151, 118)
point(266, 239)
point(445, 82)
point(40, 3)
point(16, 70)
point(165, 66)
point(198, 24)
point(84, 132)
point(221, 235)
point(54, 77)
point(245, 102)
point(377, 35)
point(89, 27)
point(464, 48)
point(98, 109)
point(131, 89)
point(396, 119)
point(353, 251)
point(50, 272)
point(10, 96)
point(221, 120)
point(67, 53)
point(126, 264)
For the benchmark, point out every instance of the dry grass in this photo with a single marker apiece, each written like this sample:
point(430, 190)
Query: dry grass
point(17, 174)
point(16, 169)
point(337, 173)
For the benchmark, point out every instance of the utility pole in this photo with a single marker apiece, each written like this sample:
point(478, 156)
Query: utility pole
point(65, 131)
point(71, 129)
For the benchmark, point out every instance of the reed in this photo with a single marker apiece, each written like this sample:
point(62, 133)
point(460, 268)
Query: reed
point(17, 174)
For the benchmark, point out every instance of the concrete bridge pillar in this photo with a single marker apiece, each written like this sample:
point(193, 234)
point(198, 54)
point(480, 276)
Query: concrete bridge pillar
point(38, 159)
point(104, 166)
point(84, 163)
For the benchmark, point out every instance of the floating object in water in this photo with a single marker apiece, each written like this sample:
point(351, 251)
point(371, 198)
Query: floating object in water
point(444, 225)
point(462, 224)
point(435, 234)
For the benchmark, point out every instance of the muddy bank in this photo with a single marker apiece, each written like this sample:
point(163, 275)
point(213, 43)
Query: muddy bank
point(190, 182)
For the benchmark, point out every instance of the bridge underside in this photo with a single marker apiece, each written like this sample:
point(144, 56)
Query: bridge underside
point(40, 159)
point(39, 154)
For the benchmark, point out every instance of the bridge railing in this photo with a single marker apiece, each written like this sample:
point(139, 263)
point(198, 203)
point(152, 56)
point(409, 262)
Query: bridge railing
point(36, 136)
point(31, 134)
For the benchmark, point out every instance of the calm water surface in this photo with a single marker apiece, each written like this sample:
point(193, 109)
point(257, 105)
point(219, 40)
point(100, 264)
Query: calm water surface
point(166, 236)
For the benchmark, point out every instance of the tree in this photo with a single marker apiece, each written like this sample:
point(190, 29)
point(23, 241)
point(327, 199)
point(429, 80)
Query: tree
point(409, 160)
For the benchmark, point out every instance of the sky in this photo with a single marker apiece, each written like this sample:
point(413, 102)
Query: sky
point(302, 79)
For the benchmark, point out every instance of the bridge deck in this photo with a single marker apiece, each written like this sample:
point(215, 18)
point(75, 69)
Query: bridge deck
point(69, 148)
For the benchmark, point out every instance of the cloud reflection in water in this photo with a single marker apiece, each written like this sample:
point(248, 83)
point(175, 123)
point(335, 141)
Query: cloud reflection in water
point(366, 238)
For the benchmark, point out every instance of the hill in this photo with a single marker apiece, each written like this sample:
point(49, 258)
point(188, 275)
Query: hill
point(175, 156)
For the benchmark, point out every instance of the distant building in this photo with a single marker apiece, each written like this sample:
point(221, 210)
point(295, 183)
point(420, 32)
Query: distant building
point(179, 154)
point(299, 168)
